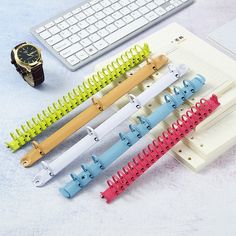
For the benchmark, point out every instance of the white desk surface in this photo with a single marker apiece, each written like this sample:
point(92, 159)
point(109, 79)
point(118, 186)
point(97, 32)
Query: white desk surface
point(168, 200)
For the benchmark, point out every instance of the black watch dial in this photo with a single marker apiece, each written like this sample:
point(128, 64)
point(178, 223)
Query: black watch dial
point(28, 54)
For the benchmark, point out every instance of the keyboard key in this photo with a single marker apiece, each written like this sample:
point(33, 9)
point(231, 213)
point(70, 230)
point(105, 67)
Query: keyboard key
point(40, 29)
point(58, 20)
point(100, 24)
point(65, 34)
point(89, 12)
point(82, 55)
point(117, 15)
point(169, 8)
point(151, 16)
point(116, 6)
point(63, 25)
point(94, 2)
point(105, 3)
point(159, 2)
point(103, 32)
point(119, 23)
point(111, 28)
point(73, 60)
point(74, 38)
point(151, 5)
point(107, 11)
point(91, 50)
point(85, 6)
point(94, 37)
point(68, 15)
point(176, 3)
point(100, 15)
point(101, 44)
point(54, 30)
point(124, 3)
point(126, 30)
point(72, 21)
point(49, 25)
point(71, 50)
point(143, 10)
point(133, 6)
point(83, 33)
point(45, 34)
point(62, 45)
point(80, 16)
point(77, 10)
point(54, 39)
point(160, 11)
point(109, 20)
point(124, 11)
point(135, 14)
point(141, 2)
point(74, 29)
point(127, 19)
point(91, 20)
point(91, 29)
point(83, 24)
point(98, 7)
point(85, 42)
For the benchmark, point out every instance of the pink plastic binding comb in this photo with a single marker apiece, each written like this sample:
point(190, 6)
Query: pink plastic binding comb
point(154, 151)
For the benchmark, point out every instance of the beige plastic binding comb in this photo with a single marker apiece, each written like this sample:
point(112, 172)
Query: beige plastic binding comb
point(39, 150)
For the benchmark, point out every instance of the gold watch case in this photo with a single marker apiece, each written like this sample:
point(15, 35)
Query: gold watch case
point(27, 66)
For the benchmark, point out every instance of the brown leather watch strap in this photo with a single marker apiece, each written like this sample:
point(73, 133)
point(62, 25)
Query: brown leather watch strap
point(37, 76)
point(93, 110)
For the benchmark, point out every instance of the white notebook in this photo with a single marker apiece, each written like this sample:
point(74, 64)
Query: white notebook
point(217, 133)
point(225, 37)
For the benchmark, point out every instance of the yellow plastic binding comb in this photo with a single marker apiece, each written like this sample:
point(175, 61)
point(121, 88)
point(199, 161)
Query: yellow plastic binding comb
point(78, 95)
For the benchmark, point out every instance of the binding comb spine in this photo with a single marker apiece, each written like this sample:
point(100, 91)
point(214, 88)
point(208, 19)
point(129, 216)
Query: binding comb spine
point(161, 145)
point(78, 95)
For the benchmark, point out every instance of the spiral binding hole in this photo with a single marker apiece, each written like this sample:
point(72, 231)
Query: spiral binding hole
point(25, 163)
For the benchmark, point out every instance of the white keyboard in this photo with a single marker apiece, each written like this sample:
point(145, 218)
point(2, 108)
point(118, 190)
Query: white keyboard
point(94, 27)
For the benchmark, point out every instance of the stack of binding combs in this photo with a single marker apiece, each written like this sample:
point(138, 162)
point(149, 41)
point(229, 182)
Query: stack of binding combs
point(108, 75)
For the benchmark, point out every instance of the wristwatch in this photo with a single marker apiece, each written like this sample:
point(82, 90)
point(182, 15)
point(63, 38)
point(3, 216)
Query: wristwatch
point(28, 61)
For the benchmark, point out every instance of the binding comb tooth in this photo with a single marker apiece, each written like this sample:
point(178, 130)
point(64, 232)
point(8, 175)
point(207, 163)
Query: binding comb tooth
point(67, 103)
point(47, 118)
point(42, 121)
point(72, 99)
point(52, 114)
point(37, 125)
point(81, 93)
